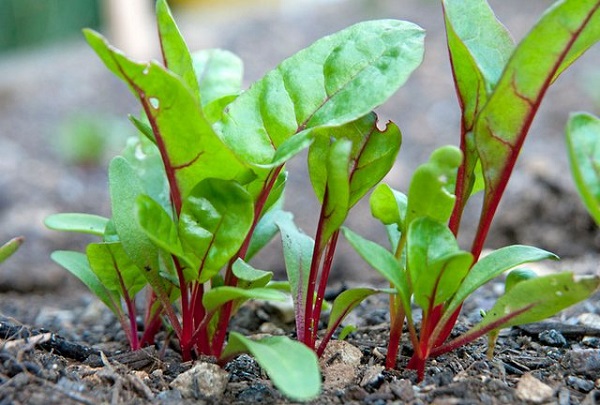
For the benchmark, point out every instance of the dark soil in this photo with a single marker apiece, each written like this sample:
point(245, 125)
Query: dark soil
point(52, 331)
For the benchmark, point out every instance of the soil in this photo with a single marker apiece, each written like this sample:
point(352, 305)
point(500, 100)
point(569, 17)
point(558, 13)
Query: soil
point(60, 345)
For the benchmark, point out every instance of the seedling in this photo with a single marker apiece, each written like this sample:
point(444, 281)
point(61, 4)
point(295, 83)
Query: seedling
point(500, 87)
point(200, 192)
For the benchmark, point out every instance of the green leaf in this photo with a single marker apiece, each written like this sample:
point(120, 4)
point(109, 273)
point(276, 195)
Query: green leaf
point(388, 205)
point(292, 367)
point(384, 262)
point(10, 247)
point(337, 192)
point(564, 31)
point(248, 276)
point(82, 223)
point(494, 264)
point(214, 222)
point(114, 269)
point(218, 296)
point(429, 193)
point(583, 141)
point(219, 74)
point(539, 298)
point(480, 47)
point(297, 253)
point(345, 303)
point(338, 79)
point(143, 128)
point(190, 149)
point(125, 188)
point(144, 157)
point(77, 264)
point(158, 225)
point(372, 156)
point(516, 276)
point(175, 52)
point(436, 264)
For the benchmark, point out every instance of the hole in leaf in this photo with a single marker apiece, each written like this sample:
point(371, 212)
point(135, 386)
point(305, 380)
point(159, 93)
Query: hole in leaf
point(154, 102)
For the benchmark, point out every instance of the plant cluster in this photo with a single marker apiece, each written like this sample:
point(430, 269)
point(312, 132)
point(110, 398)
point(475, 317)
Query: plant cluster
point(200, 191)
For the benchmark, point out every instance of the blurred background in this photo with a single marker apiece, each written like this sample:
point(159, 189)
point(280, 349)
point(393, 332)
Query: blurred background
point(63, 116)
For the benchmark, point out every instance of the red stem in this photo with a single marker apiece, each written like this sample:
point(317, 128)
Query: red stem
point(396, 323)
point(230, 278)
point(329, 253)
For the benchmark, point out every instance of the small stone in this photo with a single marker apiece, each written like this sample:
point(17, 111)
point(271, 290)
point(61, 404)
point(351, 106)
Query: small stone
point(584, 362)
point(590, 320)
point(339, 364)
point(591, 341)
point(403, 390)
point(531, 389)
point(552, 338)
point(580, 384)
point(202, 381)
point(372, 376)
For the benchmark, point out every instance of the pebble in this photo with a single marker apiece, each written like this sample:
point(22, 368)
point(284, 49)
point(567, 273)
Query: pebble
point(372, 377)
point(403, 390)
point(531, 389)
point(339, 364)
point(583, 362)
point(202, 381)
point(552, 338)
point(580, 384)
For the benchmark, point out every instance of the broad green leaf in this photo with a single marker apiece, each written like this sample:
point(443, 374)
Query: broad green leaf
point(214, 221)
point(10, 247)
point(216, 297)
point(539, 298)
point(503, 123)
point(77, 264)
point(219, 74)
point(384, 262)
point(82, 223)
point(114, 269)
point(297, 253)
point(175, 52)
point(435, 262)
point(338, 79)
point(372, 156)
point(479, 47)
point(583, 141)
point(250, 277)
point(158, 225)
point(345, 303)
point(429, 193)
point(190, 149)
point(125, 188)
point(292, 367)
point(494, 264)
point(144, 157)
point(265, 230)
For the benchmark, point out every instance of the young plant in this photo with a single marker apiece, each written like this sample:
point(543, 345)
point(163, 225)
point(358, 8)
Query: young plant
point(583, 143)
point(200, 192)
point(500, 87)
